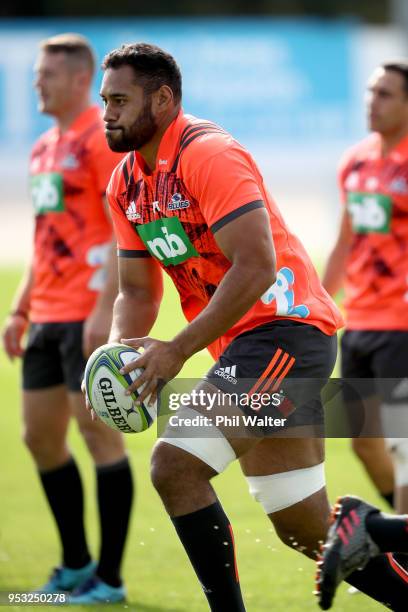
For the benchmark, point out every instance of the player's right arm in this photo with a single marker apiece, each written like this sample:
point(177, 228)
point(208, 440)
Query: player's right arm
point(138, 301)
point(17, 322)
point(139, 275)
point(139, 297)
point(335, 271)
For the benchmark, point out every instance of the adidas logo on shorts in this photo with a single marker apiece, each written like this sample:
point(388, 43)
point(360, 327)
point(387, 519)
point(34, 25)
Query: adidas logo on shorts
point(401, 389)
point(227, 373)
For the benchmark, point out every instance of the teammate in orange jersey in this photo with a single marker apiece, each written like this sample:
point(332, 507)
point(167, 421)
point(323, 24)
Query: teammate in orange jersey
point(370, 257)
point(188, 199)
point(66, 297)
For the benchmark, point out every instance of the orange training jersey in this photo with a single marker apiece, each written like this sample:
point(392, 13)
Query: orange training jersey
point(203, 180)
point(69, 173)
point(375, 191)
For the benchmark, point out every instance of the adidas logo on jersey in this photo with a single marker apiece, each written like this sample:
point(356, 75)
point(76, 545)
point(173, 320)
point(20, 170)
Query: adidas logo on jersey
point(131, 212)
point(227, 373)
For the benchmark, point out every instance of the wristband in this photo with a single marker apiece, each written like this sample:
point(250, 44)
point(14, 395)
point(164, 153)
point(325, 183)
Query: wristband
point(19, 313)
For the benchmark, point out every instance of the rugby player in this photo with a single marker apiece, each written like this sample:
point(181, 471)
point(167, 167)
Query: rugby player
point(66, 298)
point(369, 259)
point(190, 200)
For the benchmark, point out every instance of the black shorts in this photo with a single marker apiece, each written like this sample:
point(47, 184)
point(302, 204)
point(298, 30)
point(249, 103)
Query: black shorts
point(378, 363)
point(54, 356)
point(288, 361)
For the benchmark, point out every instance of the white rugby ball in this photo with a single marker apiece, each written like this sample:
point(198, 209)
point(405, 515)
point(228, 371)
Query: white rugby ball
point(106, 386)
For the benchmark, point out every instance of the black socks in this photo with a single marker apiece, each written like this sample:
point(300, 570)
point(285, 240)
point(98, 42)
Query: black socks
point(209, 542)
point(383, 580)
point(389, 532)
point(115, 495)
point(63, 489)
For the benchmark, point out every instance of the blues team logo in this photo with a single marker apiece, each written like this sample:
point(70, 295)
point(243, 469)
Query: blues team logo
point(177, 202)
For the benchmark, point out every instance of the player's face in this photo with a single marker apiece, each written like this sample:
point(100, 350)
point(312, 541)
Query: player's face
point(54, 83)
point(129, 121)
point(387, 102)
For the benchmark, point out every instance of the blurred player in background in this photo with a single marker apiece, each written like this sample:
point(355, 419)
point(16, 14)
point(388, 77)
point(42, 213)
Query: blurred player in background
point(370, 259)
point(66, 300)
point(190, 200)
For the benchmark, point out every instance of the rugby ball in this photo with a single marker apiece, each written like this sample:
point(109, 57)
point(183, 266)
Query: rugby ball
point(105, 389)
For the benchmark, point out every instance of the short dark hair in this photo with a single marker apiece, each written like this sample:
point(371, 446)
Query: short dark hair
point(399, 66)
point(152, 65)
point(75, 46)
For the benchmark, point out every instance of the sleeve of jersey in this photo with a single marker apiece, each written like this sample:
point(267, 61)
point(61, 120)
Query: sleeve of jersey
point(128, 240)
point(104, 161)
point(226, 186)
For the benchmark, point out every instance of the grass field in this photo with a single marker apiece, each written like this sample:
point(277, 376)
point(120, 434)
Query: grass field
point(157, 575)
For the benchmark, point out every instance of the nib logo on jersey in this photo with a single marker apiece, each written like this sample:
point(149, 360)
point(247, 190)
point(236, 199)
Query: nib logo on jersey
point(228, 373)
point(47, 191)
point(167, 241)
point(370, 213)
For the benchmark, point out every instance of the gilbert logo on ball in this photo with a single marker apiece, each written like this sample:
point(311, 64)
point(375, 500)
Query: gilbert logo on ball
point(106, 386)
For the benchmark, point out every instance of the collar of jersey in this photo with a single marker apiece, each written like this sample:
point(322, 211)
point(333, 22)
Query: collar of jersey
point(168, 147)
point(401, 150)
point(398, 153)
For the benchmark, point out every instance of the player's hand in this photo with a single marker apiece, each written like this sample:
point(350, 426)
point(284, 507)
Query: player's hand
point(96, 329)
point(87, 404)
point(161, 362)
point(12, 336)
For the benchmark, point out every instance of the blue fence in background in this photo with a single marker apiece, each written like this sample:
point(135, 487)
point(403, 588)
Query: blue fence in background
point(267, 81)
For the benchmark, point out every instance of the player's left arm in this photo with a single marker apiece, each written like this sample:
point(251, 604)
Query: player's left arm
point(247, 242)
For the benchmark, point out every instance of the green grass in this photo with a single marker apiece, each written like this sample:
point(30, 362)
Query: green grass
point(157, 574)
